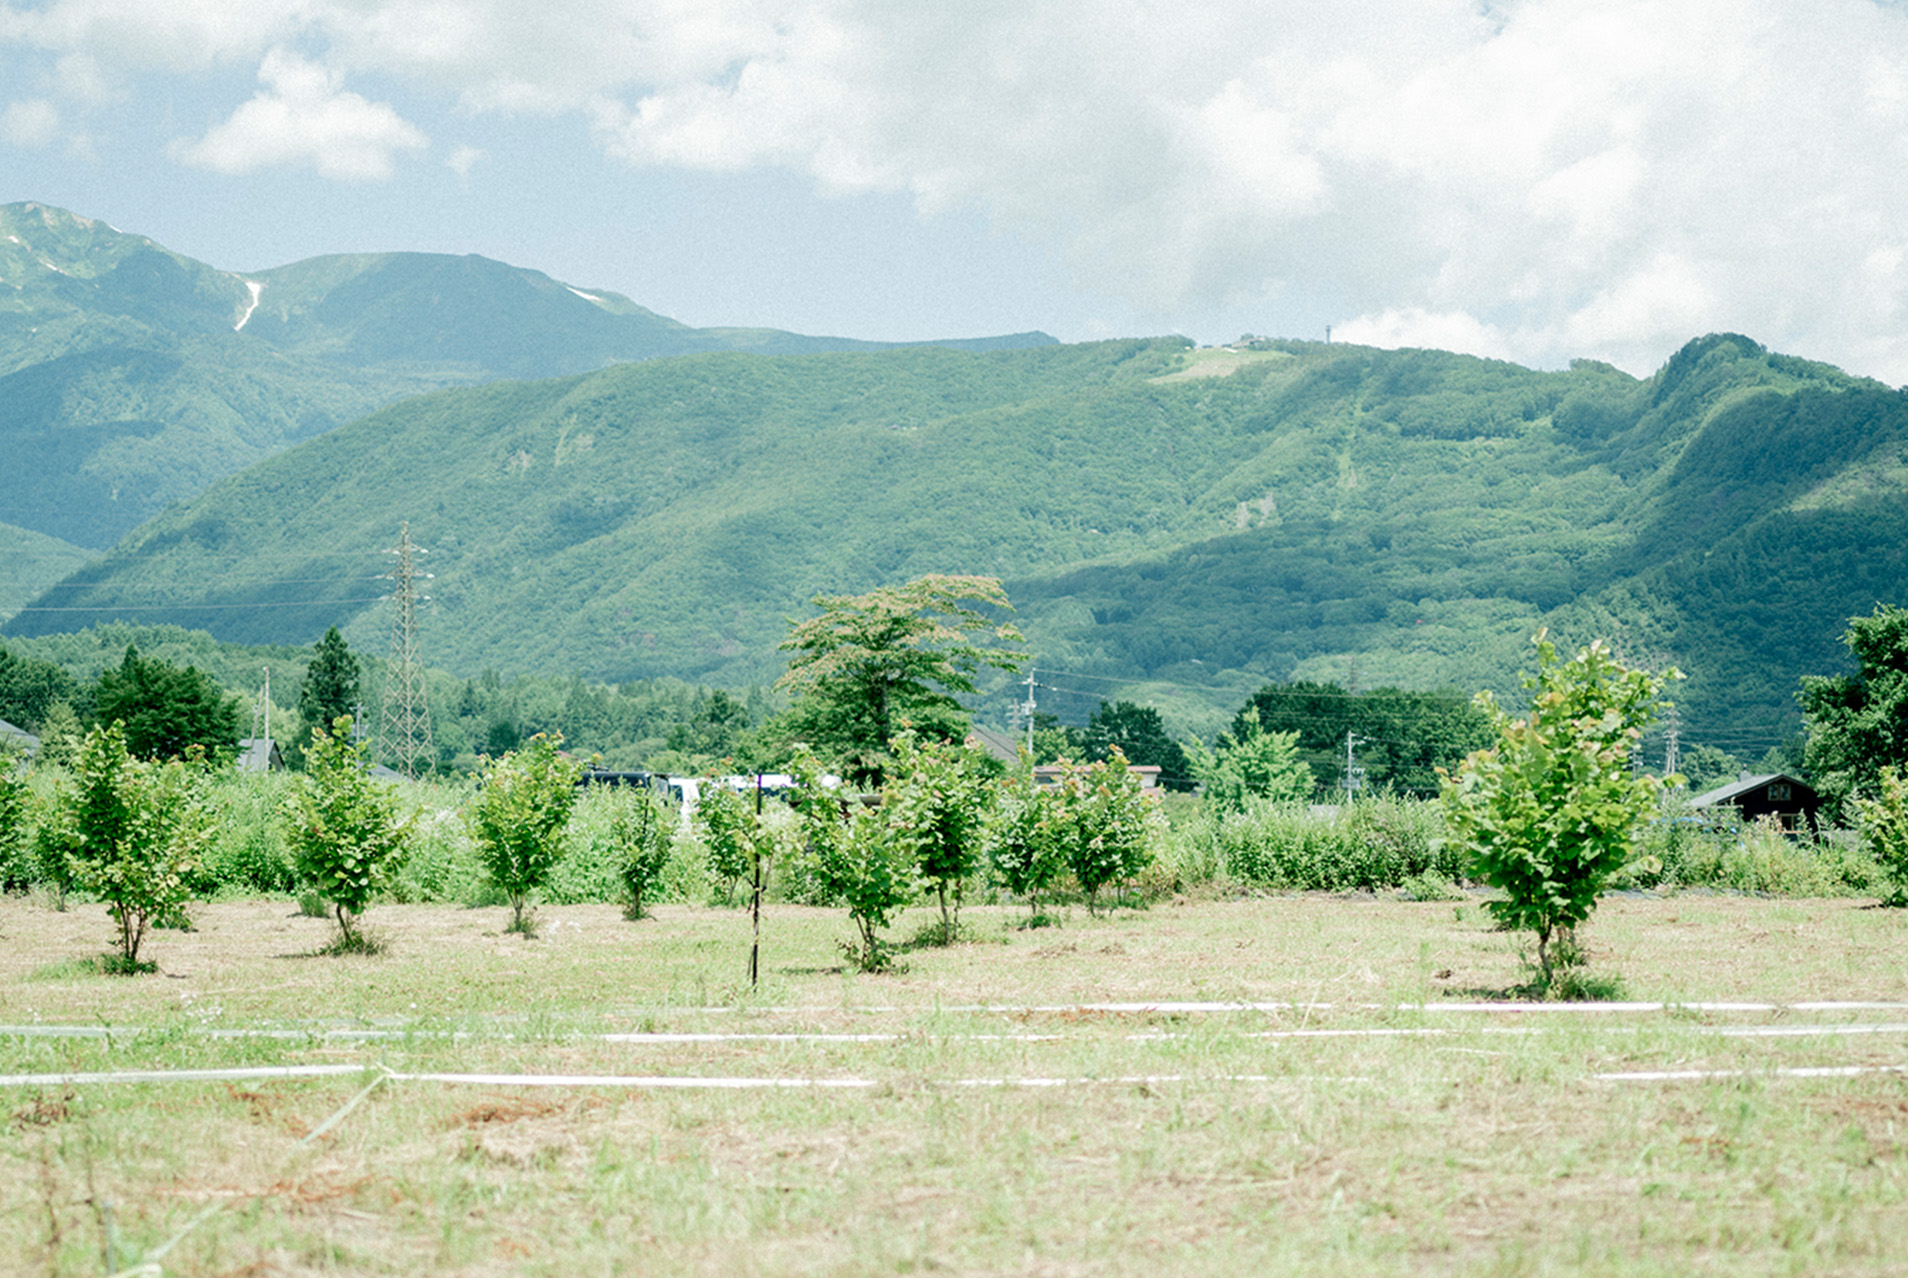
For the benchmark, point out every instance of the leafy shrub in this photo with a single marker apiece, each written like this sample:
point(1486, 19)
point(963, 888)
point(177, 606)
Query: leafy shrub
point(519, 819)
point(726, 822)
point(936, 810)
point(1883, 821)
point(343, 827)
point(247, 853)
point(16, 871)
point(1024, 848)
point(132, 832)
point(1107, 828)
point(1550, 813)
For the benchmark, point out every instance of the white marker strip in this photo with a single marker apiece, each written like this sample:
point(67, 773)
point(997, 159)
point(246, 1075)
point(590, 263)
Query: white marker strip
point(1703, 1075)
point(179, 1075)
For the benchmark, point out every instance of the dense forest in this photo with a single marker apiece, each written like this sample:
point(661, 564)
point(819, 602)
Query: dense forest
point(1176, 526)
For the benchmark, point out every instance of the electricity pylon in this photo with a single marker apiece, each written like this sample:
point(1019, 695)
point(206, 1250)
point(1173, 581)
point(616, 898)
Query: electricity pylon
point(404, 728)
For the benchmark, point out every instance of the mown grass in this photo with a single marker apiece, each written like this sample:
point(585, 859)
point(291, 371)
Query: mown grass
point(1459, 1142)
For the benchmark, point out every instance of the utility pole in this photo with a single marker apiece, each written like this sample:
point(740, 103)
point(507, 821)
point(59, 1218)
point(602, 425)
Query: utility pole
point(1028, 706)
point(1672, 756)
point(1353, 779)
point(404, 728)
point(262, 709)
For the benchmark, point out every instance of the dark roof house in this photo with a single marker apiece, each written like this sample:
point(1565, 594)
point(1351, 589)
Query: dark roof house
point(1777, 795)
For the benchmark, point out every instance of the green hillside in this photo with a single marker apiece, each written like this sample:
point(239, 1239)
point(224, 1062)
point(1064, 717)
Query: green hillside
point(1181, 523)
point(28, 561)
point(132, 377)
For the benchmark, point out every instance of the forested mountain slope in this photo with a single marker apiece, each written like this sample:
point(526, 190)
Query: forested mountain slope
point(1198, 519)
point(132, 377)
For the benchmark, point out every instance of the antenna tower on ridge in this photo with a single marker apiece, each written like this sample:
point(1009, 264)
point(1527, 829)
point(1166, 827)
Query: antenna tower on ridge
point(404, 728)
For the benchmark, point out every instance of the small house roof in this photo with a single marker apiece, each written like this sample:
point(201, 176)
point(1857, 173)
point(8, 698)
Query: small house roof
point(18, 736)
point(258, 754)
point(1743, 785)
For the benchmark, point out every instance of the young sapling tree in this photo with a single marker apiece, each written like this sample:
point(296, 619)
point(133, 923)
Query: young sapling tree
point(1106, 825)
point(936, 809)
point(725, 822)
point(344, 829)
point(132, 832)
point(640, 834)
point(859, 859)
point(1026, 850)
point(519, 819)
point(1551, 811)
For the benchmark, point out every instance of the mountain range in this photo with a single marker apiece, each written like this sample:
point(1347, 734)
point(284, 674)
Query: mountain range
point(1175, 524)
point(133, 377)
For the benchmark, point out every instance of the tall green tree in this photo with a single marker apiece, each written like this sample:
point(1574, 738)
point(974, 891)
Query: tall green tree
point(1551, 811)
point(30, 688)
point(331, 684)
point(166, 711)
point(1140, 734)
point(1256, 765)
point(869, 663)
point(1399, 738)
point(1858, 724)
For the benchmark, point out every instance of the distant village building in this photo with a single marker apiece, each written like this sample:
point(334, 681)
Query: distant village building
point(259, 754)
point(1791, 803)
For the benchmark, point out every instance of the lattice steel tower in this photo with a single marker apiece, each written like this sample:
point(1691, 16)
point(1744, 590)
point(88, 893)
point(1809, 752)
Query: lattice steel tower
point(404, 728)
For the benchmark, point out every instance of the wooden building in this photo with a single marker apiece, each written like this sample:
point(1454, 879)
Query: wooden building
point(1792, 804)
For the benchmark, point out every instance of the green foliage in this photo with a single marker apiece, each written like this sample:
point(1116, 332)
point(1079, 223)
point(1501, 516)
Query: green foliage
point(343, 826)
point(131, 831)
point(870, 664)
point(250, 852)
point(1550, 813)
point(1858, 724)
point(31, 687)
point(329, 689)
point(1401, 738)
point(1705, 767)
point(936, 808)
point(1377, 841)
point(726, 822)
point(1026, 849)
point(640, 837)
point(519, 819)
point(1139, 733)
point(15, 829)
point(1106, 830)
point(1883, 821)
point(166, 711)
point(1257, 765)
point(861, 858)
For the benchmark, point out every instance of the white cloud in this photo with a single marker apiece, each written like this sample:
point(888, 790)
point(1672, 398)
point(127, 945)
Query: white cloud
point(304, 117)
point(30, 122)
point(462, 158)
point(1548, 178)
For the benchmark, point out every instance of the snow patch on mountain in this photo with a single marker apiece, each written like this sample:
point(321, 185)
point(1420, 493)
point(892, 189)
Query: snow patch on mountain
point(257, 288)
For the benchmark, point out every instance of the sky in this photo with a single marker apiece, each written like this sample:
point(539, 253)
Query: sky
point(1536, 180)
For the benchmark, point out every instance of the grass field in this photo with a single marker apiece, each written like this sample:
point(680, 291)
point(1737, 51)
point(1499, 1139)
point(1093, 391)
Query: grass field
point(987, 1109)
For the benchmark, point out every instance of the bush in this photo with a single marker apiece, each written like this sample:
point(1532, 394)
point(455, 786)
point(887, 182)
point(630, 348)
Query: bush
point(343, 827)
point(520, 818)
point(1883, 821)
point(131, 832)
point(247, 853)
